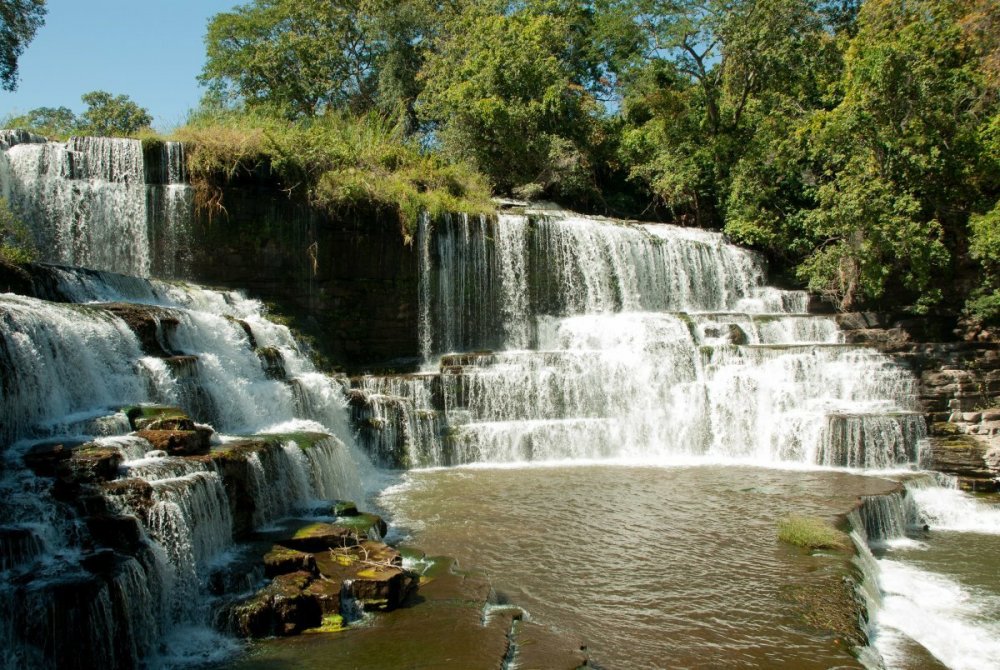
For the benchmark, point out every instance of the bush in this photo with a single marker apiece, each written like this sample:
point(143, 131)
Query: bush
point(16, 244)
point(810, 533)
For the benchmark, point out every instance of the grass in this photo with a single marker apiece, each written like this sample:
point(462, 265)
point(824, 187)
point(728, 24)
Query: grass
point(810, 533)
point(337, 162)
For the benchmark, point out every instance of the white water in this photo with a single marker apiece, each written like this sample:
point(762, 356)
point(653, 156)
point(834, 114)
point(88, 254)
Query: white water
point(85, 200)
point(67, 370)
point(618, 341)
point(937, 590)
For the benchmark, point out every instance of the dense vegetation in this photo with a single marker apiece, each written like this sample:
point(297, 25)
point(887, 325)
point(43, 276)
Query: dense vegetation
point(856, 142)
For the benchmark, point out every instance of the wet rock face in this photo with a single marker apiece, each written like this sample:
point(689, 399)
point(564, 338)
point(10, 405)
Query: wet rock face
point(958, 369)
point(150, 324)
point(282, 608)
point(357, 301)
point(281, 561)
point(177, 442)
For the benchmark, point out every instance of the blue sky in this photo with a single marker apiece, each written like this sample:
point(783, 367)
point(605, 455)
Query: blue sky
point(151, 50)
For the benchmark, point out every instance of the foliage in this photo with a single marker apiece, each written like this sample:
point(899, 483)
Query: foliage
point(19, 21)
point(337, 161)
point(112, 115)
point(499, 89)
point(16, 243)
point(106, 114)
point(58, 122)
point(810, 533)
point(300, 58)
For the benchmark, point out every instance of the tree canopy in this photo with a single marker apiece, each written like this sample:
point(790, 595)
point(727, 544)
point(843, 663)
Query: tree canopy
point(106, 114)
point(19, 21)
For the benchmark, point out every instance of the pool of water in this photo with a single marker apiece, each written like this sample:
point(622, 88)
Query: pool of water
point(655, 567)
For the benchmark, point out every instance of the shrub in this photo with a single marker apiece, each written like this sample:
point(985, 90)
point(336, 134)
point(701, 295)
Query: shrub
point(16, 244)
point(337, 161)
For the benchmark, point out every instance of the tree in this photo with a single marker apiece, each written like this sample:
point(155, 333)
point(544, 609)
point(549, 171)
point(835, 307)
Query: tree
point(19, 21)
point(713, 75)
point(298, 57)
point(513, 87)
point(112, 115)
point(903, 157)
point(48, 121)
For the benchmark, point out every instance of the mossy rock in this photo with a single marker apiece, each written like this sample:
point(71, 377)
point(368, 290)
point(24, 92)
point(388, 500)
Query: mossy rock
point(373, 571)
point(318, 537)
point(811, 533)
point(178, 442)
point(304, 440)
point(282, 560)
point(363, 525)
point(332, 623)
point(281, 608)
point(140, 416)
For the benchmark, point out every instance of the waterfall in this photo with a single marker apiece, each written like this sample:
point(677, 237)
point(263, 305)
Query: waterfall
point(85, 200)
point(914, 597)
point(104, 203)
point(109, 572)
point(587, 338)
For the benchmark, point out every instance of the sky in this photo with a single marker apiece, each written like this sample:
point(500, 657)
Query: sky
point(150, 50)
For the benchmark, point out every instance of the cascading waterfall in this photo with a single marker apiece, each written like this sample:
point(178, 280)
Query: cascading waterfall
point(85, 200)
point(609, 340)
point(170, 203)
point(70, 372)
point(104, 203)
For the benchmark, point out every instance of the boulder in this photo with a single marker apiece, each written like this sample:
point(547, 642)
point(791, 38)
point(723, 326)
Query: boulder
point(281, 561)
point(89, 464)
point(141, 416)
point(45, 458)
point(281, 608)
point(372, 572)
point(177, 442)
point(319, 537)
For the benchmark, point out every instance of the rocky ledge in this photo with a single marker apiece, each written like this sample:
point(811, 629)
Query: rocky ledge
point(957, 365)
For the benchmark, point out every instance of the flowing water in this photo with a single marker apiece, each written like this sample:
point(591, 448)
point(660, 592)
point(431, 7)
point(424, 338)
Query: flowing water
point(69, 370)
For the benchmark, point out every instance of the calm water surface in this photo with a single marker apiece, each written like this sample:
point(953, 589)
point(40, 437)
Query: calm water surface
point(654, 567)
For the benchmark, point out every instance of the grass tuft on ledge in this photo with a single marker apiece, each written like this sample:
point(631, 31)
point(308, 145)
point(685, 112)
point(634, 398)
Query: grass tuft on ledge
point(811, 533)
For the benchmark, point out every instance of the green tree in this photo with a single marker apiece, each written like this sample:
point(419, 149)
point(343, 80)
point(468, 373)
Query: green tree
point(48, 121)
point(714, 75)
point(112, 115)
point(512, 87)
point(298, 57)
point(19, 21)
point(903, 159)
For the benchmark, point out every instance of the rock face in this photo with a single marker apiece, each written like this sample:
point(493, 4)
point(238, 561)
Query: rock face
point(958, 368)
point(350, 283)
